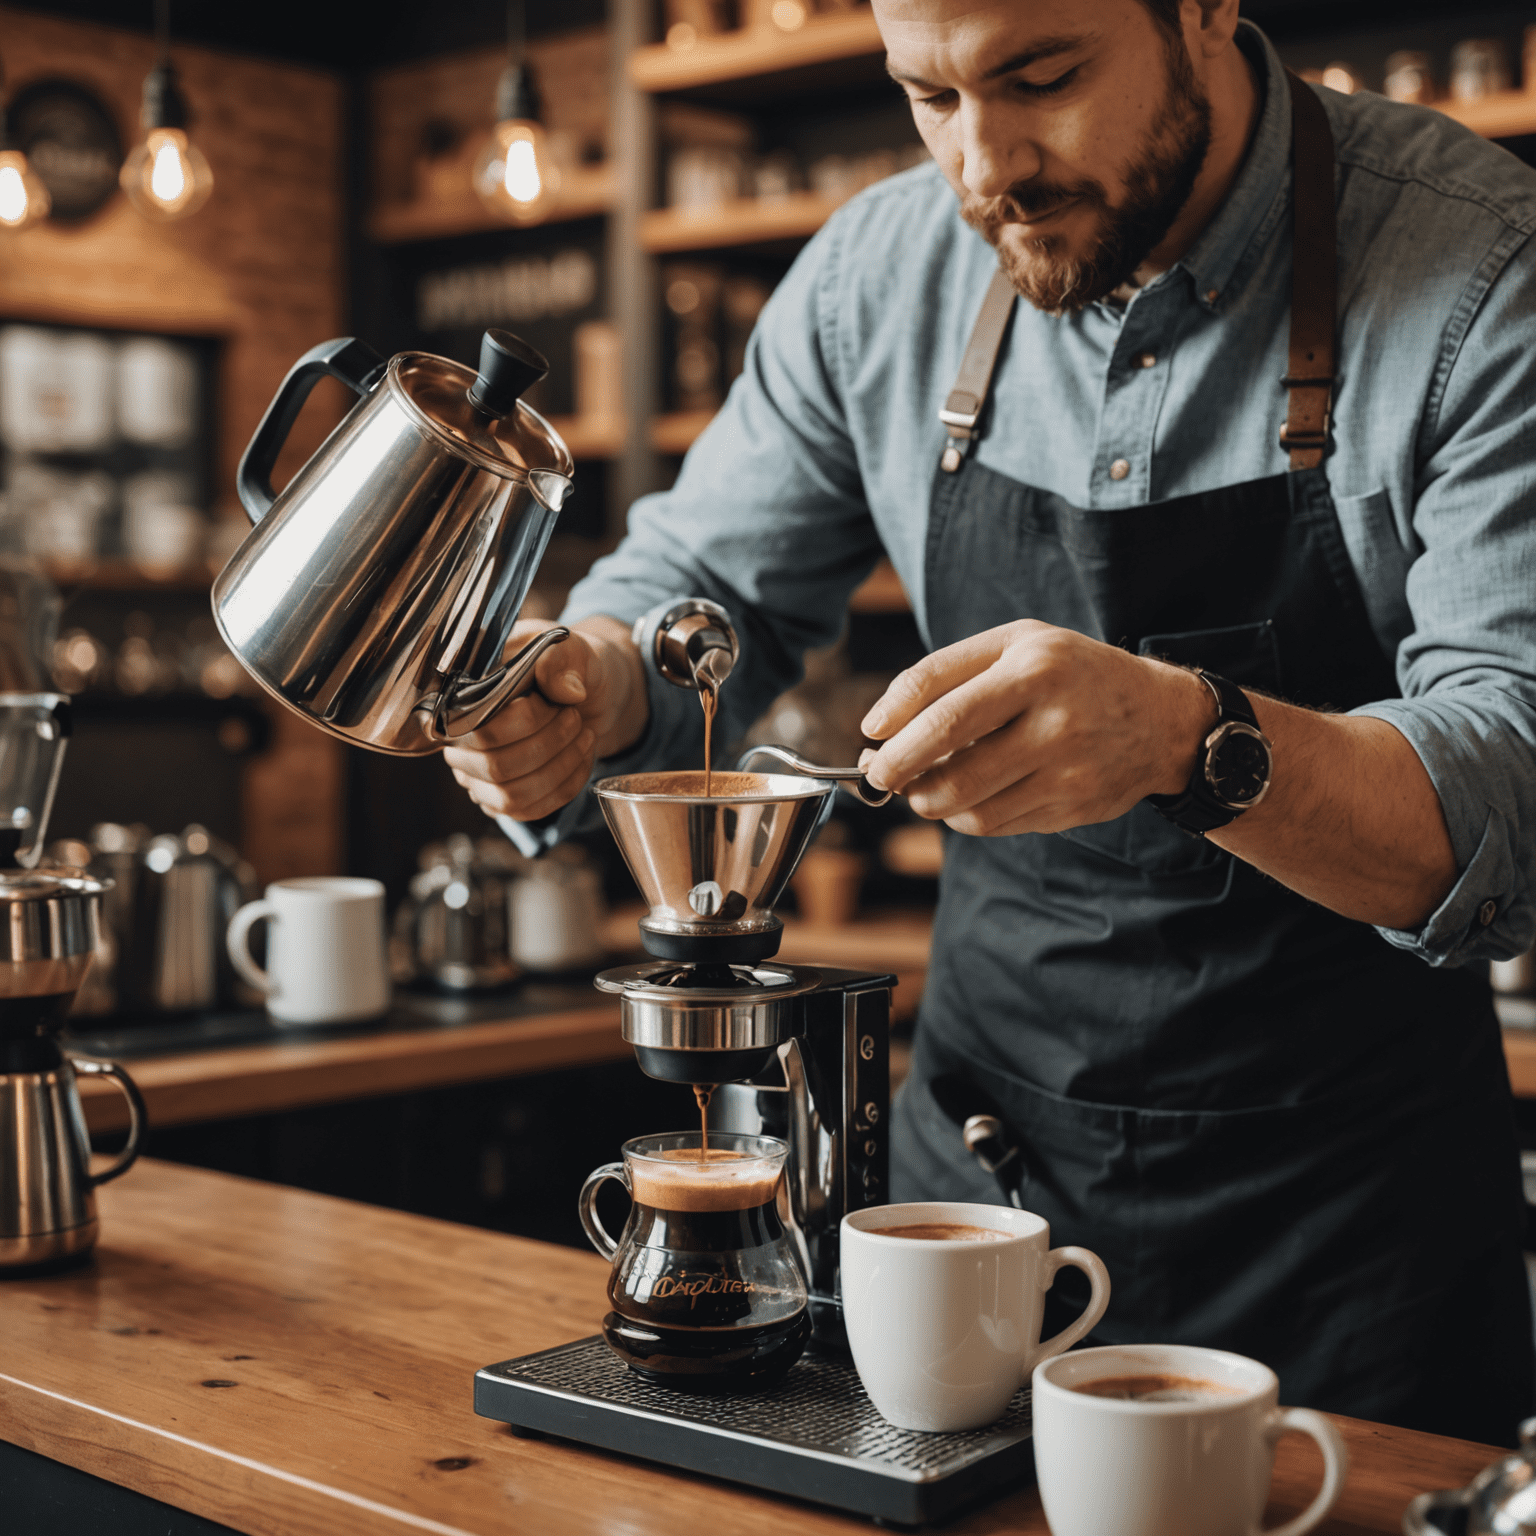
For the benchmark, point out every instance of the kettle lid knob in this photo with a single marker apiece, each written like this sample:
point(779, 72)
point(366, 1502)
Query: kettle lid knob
point(508, 367)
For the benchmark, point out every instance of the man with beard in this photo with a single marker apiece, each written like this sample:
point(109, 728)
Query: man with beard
point(1219, 545)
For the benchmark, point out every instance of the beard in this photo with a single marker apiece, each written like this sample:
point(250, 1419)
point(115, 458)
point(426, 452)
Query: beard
point(1156, 189)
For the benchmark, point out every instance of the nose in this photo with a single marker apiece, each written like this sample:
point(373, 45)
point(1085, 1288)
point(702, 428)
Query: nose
point(996, 148)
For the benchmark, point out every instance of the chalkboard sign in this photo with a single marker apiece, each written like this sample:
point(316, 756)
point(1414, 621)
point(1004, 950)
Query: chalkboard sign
point(71, 140)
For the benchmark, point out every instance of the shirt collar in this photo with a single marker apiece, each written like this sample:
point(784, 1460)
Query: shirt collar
point(1212, 261)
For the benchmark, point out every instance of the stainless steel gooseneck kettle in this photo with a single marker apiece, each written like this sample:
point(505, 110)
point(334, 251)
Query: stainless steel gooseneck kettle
point(376, 593)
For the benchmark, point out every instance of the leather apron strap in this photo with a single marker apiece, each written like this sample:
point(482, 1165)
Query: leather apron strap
point(1314, 301)
point(1314, 281)
point(964, 405)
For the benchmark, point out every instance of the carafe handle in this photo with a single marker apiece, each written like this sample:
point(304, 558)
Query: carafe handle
point(466, 704)
point(586, 1204)
point(354, 362)
point(138, 1115)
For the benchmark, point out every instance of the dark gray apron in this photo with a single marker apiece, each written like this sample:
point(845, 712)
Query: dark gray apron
point(1283, 1136)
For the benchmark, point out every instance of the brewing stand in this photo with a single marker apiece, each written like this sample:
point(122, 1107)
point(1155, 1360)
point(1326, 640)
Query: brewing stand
point(816, 1437)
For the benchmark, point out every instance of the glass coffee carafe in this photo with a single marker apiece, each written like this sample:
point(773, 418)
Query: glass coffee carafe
point(707, 1290)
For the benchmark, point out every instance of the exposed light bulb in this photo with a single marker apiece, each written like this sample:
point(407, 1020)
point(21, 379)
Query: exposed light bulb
point(514, 174)
point(23, 197)
point(167, 176)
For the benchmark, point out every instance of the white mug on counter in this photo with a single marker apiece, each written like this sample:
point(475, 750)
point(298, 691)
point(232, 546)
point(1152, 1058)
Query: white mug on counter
point(1168, 1440)
point(945, 1329)
point(326, 961)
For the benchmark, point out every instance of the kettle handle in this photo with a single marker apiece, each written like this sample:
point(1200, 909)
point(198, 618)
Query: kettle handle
point(138, 1115)
point(354, 362)
point(464, 705)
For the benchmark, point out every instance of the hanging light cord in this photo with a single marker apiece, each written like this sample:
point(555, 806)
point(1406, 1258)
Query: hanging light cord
point(516, 30)
point(163, 31)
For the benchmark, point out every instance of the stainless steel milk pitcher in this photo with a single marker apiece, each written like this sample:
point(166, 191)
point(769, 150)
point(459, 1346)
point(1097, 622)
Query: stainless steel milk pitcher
point(376, 593)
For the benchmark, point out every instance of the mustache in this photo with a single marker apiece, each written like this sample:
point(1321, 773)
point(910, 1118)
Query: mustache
point(1027, 201)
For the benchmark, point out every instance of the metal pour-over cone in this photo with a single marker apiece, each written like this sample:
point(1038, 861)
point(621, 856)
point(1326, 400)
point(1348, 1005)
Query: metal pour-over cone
point(711, 869)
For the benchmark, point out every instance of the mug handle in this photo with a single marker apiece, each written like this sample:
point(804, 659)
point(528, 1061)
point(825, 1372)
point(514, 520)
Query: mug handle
point(237, 942)
point(1307, 1421)
point(597, 1233)
point(1098, 1277)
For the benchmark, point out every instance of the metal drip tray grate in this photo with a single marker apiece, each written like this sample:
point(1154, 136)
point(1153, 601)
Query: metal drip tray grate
point(816, 1437)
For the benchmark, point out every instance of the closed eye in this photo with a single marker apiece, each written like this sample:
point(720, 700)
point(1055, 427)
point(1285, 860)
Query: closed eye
point(1049, 87)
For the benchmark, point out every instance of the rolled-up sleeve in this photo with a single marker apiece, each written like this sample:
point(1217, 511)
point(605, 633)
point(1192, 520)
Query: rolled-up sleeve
point(768, 518)
point(1467, 670)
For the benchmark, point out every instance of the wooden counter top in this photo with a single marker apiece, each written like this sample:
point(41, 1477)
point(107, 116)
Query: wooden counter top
point(293, 1365)
point(258, 1079)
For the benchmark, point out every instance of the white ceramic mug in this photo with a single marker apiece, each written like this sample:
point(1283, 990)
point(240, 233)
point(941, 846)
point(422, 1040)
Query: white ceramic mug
point(326, 959)
point(1112, 1466)
point(944, 1332)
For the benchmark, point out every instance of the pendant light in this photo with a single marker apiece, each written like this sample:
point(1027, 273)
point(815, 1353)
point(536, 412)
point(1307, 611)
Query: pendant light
point(166, 177)
point(513, 174)
point(23, 197)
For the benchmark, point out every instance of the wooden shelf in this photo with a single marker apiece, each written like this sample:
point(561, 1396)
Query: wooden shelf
point(128, 576)
point(1508, 115)
point(675, 432)
point(592, 437)
point(584, 191)
point(741, 221)
point(749, 52)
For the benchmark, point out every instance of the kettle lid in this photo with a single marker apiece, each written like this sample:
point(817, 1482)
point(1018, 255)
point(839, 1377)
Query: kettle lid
point(482, 415)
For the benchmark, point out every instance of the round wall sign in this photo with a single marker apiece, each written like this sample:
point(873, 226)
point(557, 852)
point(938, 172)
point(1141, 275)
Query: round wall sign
point(71, 139)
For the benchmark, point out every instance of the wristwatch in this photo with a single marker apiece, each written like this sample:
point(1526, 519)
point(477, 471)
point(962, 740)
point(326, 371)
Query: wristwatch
point(1232, 768)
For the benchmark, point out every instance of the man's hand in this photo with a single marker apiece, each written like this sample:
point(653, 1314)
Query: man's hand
point(535, 754)
point(1030, 728)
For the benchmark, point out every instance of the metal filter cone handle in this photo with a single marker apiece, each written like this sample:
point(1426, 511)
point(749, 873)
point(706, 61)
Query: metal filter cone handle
point(712, 868)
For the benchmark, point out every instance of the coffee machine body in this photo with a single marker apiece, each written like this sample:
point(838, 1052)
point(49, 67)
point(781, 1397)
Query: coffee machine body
point(827, 1093)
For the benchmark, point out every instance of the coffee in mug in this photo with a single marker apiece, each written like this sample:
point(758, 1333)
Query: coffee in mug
point(706, 1290)
point(1159, 1387)
point(943, 1302)
point(942, 1232)
point(1168, 1440)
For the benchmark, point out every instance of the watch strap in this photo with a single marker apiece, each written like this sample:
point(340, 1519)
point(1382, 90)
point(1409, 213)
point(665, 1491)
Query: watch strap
point(1198, 810)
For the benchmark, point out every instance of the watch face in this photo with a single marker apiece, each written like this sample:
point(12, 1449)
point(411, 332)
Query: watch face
point(1238, 767)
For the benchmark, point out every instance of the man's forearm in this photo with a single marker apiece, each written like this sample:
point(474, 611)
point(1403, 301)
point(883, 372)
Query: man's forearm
point(1351, 820)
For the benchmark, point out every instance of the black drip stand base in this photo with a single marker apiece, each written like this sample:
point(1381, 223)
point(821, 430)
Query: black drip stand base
point(817, 1436)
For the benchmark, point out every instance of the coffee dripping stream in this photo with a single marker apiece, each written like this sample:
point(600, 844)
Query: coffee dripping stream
point(795, 1053)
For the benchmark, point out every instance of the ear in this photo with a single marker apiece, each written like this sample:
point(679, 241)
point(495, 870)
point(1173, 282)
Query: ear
point(1209, 26)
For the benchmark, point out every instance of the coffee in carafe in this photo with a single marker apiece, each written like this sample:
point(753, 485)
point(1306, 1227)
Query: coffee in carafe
point(707, 1292)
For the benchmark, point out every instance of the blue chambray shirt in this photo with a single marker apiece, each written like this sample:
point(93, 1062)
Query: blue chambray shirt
point(825, 451)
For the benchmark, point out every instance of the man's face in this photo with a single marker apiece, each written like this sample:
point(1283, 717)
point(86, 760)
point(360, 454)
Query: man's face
point(1072, 130)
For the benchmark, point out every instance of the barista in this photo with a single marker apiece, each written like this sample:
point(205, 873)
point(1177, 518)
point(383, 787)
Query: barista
point(1221, 553)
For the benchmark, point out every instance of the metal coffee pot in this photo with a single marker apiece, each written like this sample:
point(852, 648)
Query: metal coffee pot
point(451, 929)
point(48, 923)
point(377, 592)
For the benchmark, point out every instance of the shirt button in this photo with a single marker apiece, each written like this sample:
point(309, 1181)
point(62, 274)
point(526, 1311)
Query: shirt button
point(1147, 360)
point(1211, 295)
point(1487, 912)
point(1119, 469)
